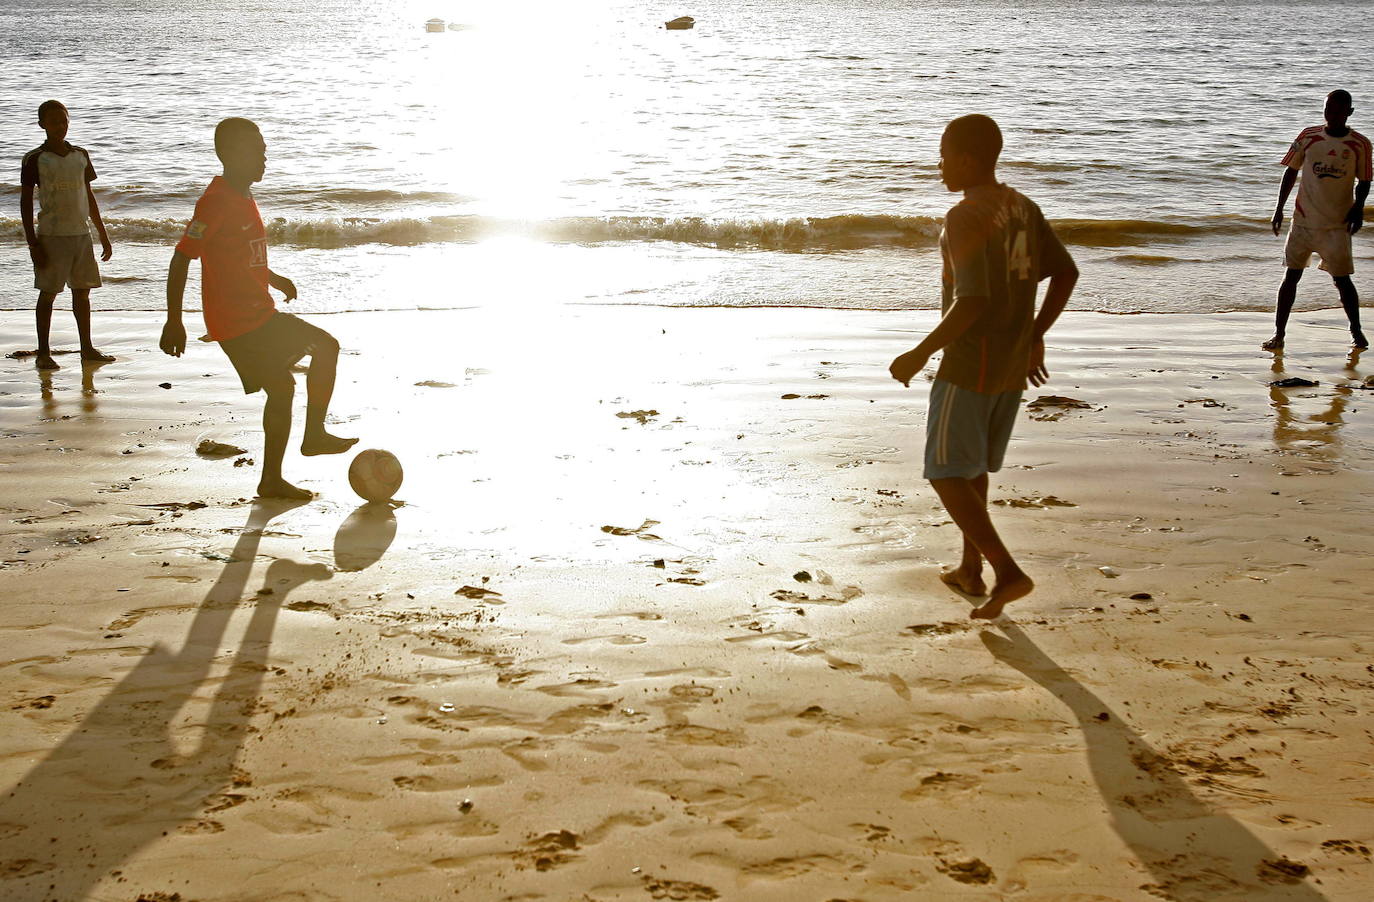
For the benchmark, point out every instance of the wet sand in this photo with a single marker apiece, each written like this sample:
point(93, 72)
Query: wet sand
point(660, 618)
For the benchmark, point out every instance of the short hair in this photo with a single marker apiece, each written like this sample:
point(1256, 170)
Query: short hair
point(47, 105)
point(1341, 95)
point(230, 131)
point(976, 135)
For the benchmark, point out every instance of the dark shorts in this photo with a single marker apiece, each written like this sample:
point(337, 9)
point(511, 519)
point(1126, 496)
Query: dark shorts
point(272, 349)
point(967, 431)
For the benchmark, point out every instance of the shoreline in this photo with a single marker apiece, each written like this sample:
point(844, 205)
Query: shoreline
point(580, 660)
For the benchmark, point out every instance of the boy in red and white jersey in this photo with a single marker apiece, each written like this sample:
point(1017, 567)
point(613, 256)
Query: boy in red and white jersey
point(1333, 159)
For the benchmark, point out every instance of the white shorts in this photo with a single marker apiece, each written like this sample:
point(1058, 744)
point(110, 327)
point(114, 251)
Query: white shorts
point(1332, 245)
point(71, 264)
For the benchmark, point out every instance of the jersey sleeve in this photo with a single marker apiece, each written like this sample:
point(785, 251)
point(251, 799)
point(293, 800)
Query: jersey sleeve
point(1054, 257)
point(1296, 154)
point(28, 170)
point(1364, 168)
point(208, 218)
point(968, 255)
point(90, 168)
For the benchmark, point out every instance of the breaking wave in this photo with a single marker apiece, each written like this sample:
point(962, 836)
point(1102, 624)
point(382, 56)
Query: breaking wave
point(797, 234)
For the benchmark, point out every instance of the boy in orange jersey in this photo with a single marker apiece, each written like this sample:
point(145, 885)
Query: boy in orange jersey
point(996, 247)
point(228, 237)
point(1333, 159)
point(60, 244)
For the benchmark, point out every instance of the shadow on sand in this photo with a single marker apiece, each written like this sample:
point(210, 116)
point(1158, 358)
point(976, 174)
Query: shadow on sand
point(118, 782)
point(1194, 852)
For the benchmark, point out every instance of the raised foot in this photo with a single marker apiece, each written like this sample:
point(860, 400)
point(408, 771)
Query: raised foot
point(1273, 344)
point(324, 443)
point(964, 582)
point(1003, 594)
point(45, 362)
point(1357, 340)
point(280, 488)
point(95, 356)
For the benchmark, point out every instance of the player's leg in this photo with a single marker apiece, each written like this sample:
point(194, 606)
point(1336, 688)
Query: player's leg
point(81, 310)
point(1350, 300)
point(1288, 293)
point(43, 317)
point(319, 390)
point(970, 513)
point(968, 576)
point(276, 431)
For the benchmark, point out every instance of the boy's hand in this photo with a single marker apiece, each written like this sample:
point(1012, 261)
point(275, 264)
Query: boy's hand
point(1035, 371)
point(106, 250)
point(908, 365)
point(173, 338)
point(1354, 220)
point(1277, 222)
point(38, 255)
point(285, 286)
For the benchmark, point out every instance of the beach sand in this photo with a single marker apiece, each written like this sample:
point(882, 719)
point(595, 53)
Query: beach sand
point(660, 618)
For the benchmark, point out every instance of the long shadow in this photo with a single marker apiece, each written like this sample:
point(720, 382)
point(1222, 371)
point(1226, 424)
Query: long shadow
point(118, 781)
point(1194, 852)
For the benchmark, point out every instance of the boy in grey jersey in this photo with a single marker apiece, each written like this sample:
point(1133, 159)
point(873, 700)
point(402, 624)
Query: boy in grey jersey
point(60, 245)
point(996, 247)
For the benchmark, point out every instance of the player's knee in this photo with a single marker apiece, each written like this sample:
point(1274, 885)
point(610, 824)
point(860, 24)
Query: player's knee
point(324, 345)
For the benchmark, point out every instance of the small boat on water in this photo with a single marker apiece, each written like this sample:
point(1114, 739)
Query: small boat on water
point(681, 23)
point(434, 25)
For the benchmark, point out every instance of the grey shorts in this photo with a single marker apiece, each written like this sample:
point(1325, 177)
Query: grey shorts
point(967, 431)
point(71, 264)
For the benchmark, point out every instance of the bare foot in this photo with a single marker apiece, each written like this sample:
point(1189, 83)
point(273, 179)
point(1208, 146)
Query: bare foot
point(964, 582)
point(95, 356)
point(1003, 594)
point(45, 362)
point(1357, 340)
point(323, 443)
point(280, 488)
point(1273, 344)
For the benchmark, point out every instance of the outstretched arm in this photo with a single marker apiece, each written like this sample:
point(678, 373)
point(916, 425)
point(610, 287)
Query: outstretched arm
point(1290, 176)
point(106, 251)
point(173, 340)
point(1354, 220)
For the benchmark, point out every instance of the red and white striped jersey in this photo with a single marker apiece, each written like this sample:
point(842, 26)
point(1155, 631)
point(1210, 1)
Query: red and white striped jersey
point(1330, 166)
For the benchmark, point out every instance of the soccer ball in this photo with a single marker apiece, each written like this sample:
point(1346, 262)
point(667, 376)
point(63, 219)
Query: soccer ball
point(375, 474)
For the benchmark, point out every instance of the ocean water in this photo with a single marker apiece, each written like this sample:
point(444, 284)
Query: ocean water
point(783, 152)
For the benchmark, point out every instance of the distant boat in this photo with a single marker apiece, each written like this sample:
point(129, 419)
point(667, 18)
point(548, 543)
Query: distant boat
point(680, 23)
point(434, 25)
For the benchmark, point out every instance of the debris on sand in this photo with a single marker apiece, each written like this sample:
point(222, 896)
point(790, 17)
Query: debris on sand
point(433, 383)
point(1293, 382)
point(208, 448)
point(802, 576)
point(1060, 401)
point(1038, 503)
point(641, 531)
point(1281, 870)
point(477, 592)
point(643, 416)
point(176, 505)
point(972, 870)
